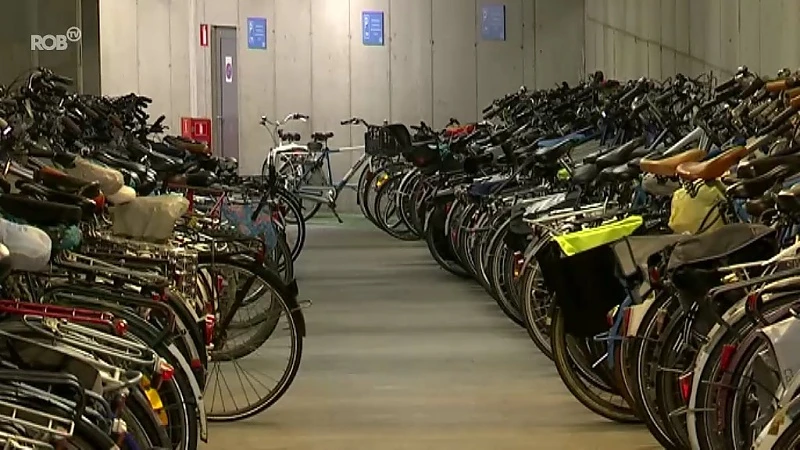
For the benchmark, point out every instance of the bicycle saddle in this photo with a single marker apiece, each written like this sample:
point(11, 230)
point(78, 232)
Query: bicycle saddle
point(757, 186)
point(591, 158)
point(58, 180)
point(87, 206)
point(713, 168)
point(621, 154)
point(666, 166)
point(760, 166)
point(154, 159)
point(38, 212)
point(201, 178)
point(187, 144)
point(119, 163)
point(319, 136)
point(584, 174)
point(165, 148)
point(551, 154)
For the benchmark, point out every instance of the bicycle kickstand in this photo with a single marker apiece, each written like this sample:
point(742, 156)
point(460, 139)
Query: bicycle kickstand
point(332, 206)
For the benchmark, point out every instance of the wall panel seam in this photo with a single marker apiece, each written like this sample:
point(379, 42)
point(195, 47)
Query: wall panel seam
point(433, 60)
point(389, 50)
point(686, 55)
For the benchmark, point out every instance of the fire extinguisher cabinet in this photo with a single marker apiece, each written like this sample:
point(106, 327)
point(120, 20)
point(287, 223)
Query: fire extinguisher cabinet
point(197, 128)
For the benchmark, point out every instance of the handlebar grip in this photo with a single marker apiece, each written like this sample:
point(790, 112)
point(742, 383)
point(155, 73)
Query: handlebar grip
point(487, 109)
point(346, 122)
point(146, 100)
point(301, 116)
point(160, 120)
point(751, 89)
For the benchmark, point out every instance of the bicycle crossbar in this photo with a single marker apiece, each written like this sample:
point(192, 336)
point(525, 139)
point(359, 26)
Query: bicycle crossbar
point(351, 149)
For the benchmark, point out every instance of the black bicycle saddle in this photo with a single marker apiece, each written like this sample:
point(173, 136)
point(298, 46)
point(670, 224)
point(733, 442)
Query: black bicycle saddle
point(757, 186)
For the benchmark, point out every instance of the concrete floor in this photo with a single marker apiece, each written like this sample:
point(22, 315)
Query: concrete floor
point(401, 355)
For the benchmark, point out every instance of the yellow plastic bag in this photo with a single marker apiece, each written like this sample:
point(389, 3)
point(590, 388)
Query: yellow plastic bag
point(581, 241)
point(695, 214)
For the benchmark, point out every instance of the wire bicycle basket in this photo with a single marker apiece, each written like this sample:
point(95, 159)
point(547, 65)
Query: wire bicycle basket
point(379, 141)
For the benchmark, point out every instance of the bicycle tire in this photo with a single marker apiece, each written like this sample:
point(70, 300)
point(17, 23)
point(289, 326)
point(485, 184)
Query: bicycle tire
point(387, 192)
point(297, 331)
point(443, 262)
point(284, 197)
point(540, 335)
point(571, 377)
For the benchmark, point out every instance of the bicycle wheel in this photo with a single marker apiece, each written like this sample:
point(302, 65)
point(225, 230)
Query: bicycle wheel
point(727, 393)
point(245, 354)
point(568, 356)
point(536, 306)
point(405, 194)
point(287, 206)
point(314, 182)
point(648, 339)
point(387, 211)
point(440, 250)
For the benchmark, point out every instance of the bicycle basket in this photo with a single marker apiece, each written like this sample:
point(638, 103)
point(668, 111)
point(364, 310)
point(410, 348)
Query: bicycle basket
point(379, 141)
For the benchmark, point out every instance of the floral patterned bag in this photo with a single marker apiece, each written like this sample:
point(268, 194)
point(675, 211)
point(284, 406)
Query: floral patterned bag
point(239, 215)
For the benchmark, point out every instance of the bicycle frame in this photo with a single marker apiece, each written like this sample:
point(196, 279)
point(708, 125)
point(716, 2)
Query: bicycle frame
point(336, 190)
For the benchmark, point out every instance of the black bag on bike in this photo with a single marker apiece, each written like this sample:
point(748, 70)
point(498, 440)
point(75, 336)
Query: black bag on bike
point(585, 285)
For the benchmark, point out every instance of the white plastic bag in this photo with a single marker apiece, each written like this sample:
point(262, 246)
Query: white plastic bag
point(110, 180)
point(148, 218)
point(29, 247)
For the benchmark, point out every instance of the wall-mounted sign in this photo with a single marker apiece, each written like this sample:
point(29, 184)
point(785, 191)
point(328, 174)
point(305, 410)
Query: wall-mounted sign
point(257, 33)
point(228, 69)
point(203, 35)
point(493, 23)
point(372, 27)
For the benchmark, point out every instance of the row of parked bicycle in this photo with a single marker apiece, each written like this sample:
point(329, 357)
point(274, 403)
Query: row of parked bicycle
point(645, 233)
point(147, 288)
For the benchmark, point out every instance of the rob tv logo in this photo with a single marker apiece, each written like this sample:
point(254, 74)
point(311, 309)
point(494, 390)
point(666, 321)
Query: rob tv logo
point(55, 42)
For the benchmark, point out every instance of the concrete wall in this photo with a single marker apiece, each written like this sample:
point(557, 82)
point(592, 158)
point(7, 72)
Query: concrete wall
point(658, 38)
point(433, 66)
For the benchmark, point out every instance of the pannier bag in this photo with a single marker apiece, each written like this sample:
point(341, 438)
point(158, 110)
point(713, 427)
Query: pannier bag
point(581, 270)
point(148, 218)
point(29, 247)
point(695, 214)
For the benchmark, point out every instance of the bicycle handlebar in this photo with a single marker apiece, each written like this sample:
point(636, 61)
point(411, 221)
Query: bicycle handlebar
point(355, 121)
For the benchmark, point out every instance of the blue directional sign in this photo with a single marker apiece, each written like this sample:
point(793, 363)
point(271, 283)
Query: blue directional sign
point(257, 33)
point(372, 27)
point(493, 23)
